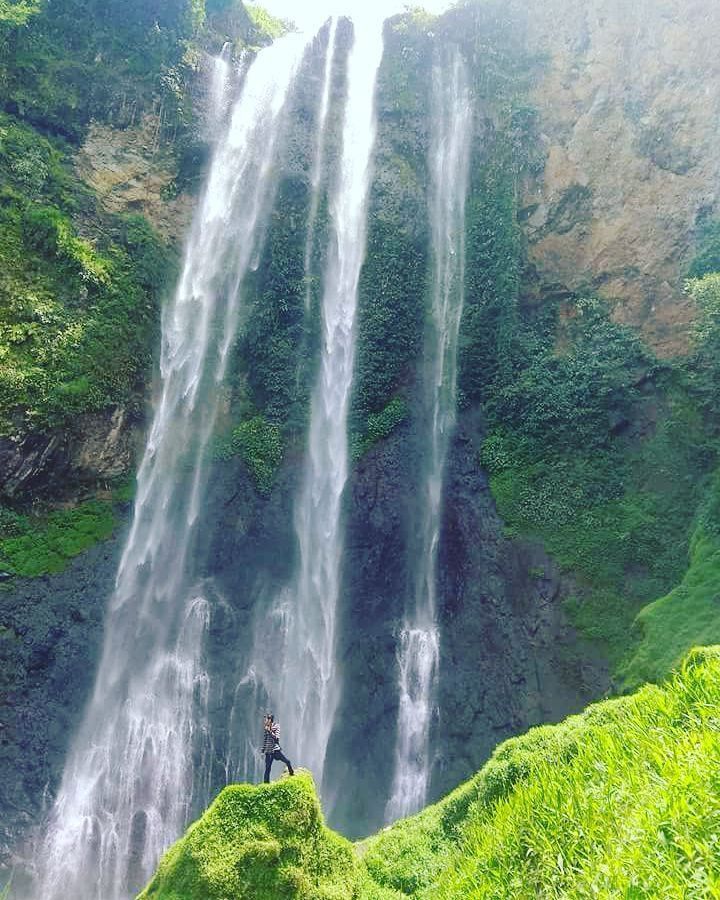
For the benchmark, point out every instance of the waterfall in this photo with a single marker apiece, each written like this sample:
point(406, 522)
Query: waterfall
point(419, 643)
point(316, 176)
point(219, 85)
point(127, 788)
point(294, 654)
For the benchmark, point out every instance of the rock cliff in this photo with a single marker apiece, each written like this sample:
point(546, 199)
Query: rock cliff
point(627, 97)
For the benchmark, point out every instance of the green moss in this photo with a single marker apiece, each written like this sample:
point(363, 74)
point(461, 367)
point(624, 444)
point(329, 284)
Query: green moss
point(258, 841)
point(39, 545)
point(688, 615)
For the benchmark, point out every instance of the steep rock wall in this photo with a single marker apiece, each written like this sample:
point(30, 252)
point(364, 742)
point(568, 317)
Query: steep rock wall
point(628, 99)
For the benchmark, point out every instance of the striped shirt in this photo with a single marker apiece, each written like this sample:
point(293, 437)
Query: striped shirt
point(271, 738)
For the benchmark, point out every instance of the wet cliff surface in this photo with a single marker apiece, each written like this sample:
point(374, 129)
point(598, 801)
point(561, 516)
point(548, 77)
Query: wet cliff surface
point(50, 642)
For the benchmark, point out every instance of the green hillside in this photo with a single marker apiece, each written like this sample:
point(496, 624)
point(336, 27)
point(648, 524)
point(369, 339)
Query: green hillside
point(621, 801)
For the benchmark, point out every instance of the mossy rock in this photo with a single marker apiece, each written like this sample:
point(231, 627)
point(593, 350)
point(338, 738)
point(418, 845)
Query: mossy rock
point(255, 841)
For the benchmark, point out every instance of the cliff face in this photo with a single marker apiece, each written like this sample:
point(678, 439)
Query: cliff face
point(628, 100)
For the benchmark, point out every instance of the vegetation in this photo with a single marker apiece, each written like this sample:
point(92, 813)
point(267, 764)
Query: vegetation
point(259, 444)
point(580, 458)
point(379, 426)
point(274, 358)
point(707, 257)
point(267, 24)
point(43, 544)
point(258, 841)
point(78, 308)
point(621, 801)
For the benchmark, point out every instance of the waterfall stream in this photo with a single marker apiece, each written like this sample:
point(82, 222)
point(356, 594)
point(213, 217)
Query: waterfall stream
point(317, 171)
point(127, 787)
point(419, 643)
point(294, 655)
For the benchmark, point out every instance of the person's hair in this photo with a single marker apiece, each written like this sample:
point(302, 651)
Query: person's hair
point(269, 715)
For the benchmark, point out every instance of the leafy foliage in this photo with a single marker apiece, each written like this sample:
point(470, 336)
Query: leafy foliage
point(78, 314)
point(707, 258)
point(568, 466)
point(32, 546)
point(60, 77)
point(487, 354)
point(273, 351)
point(379, 426)
point(265, 23)
point(14, 13)
point(705, 362)
point(260, 446)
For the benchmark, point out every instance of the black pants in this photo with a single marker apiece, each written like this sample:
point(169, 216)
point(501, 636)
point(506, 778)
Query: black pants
point(276, 754)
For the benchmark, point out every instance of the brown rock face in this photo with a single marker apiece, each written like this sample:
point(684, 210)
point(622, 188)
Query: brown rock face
point(130, 171)
point(629, 105)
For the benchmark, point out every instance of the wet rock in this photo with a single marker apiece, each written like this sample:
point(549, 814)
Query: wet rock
point(99, 446)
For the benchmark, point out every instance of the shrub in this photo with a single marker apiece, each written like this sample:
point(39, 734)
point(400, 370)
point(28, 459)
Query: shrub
point(259, 444)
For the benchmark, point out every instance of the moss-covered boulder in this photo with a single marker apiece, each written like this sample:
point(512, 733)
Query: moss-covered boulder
point(256, 841)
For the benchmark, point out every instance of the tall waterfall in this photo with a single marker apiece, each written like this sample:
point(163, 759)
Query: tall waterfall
point(419, 644)
point(294, 654)
point(317, 170)
point(127, 788)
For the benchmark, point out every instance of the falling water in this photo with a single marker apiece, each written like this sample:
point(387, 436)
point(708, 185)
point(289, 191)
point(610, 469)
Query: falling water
point(219, 87)
point(419, 644)
point(316, 176)
point(294, 654)
point(127, 788)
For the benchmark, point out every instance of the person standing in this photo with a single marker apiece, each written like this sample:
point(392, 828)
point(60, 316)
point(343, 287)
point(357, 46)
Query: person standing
point(271, 746)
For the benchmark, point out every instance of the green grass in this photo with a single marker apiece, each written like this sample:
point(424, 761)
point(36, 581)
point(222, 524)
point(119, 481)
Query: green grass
point(41, 545)
point(258, 841)
point(688, 616)
point(630, 809)
point(622, 801)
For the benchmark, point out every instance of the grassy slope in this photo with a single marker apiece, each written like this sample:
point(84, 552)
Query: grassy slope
point(687, 616)
point(622, 801)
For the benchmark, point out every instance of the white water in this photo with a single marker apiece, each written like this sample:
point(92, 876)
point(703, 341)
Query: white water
point(218, 93)
point(294, 654)
point(419, 644)
point(127, 788)
point(316, 176)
